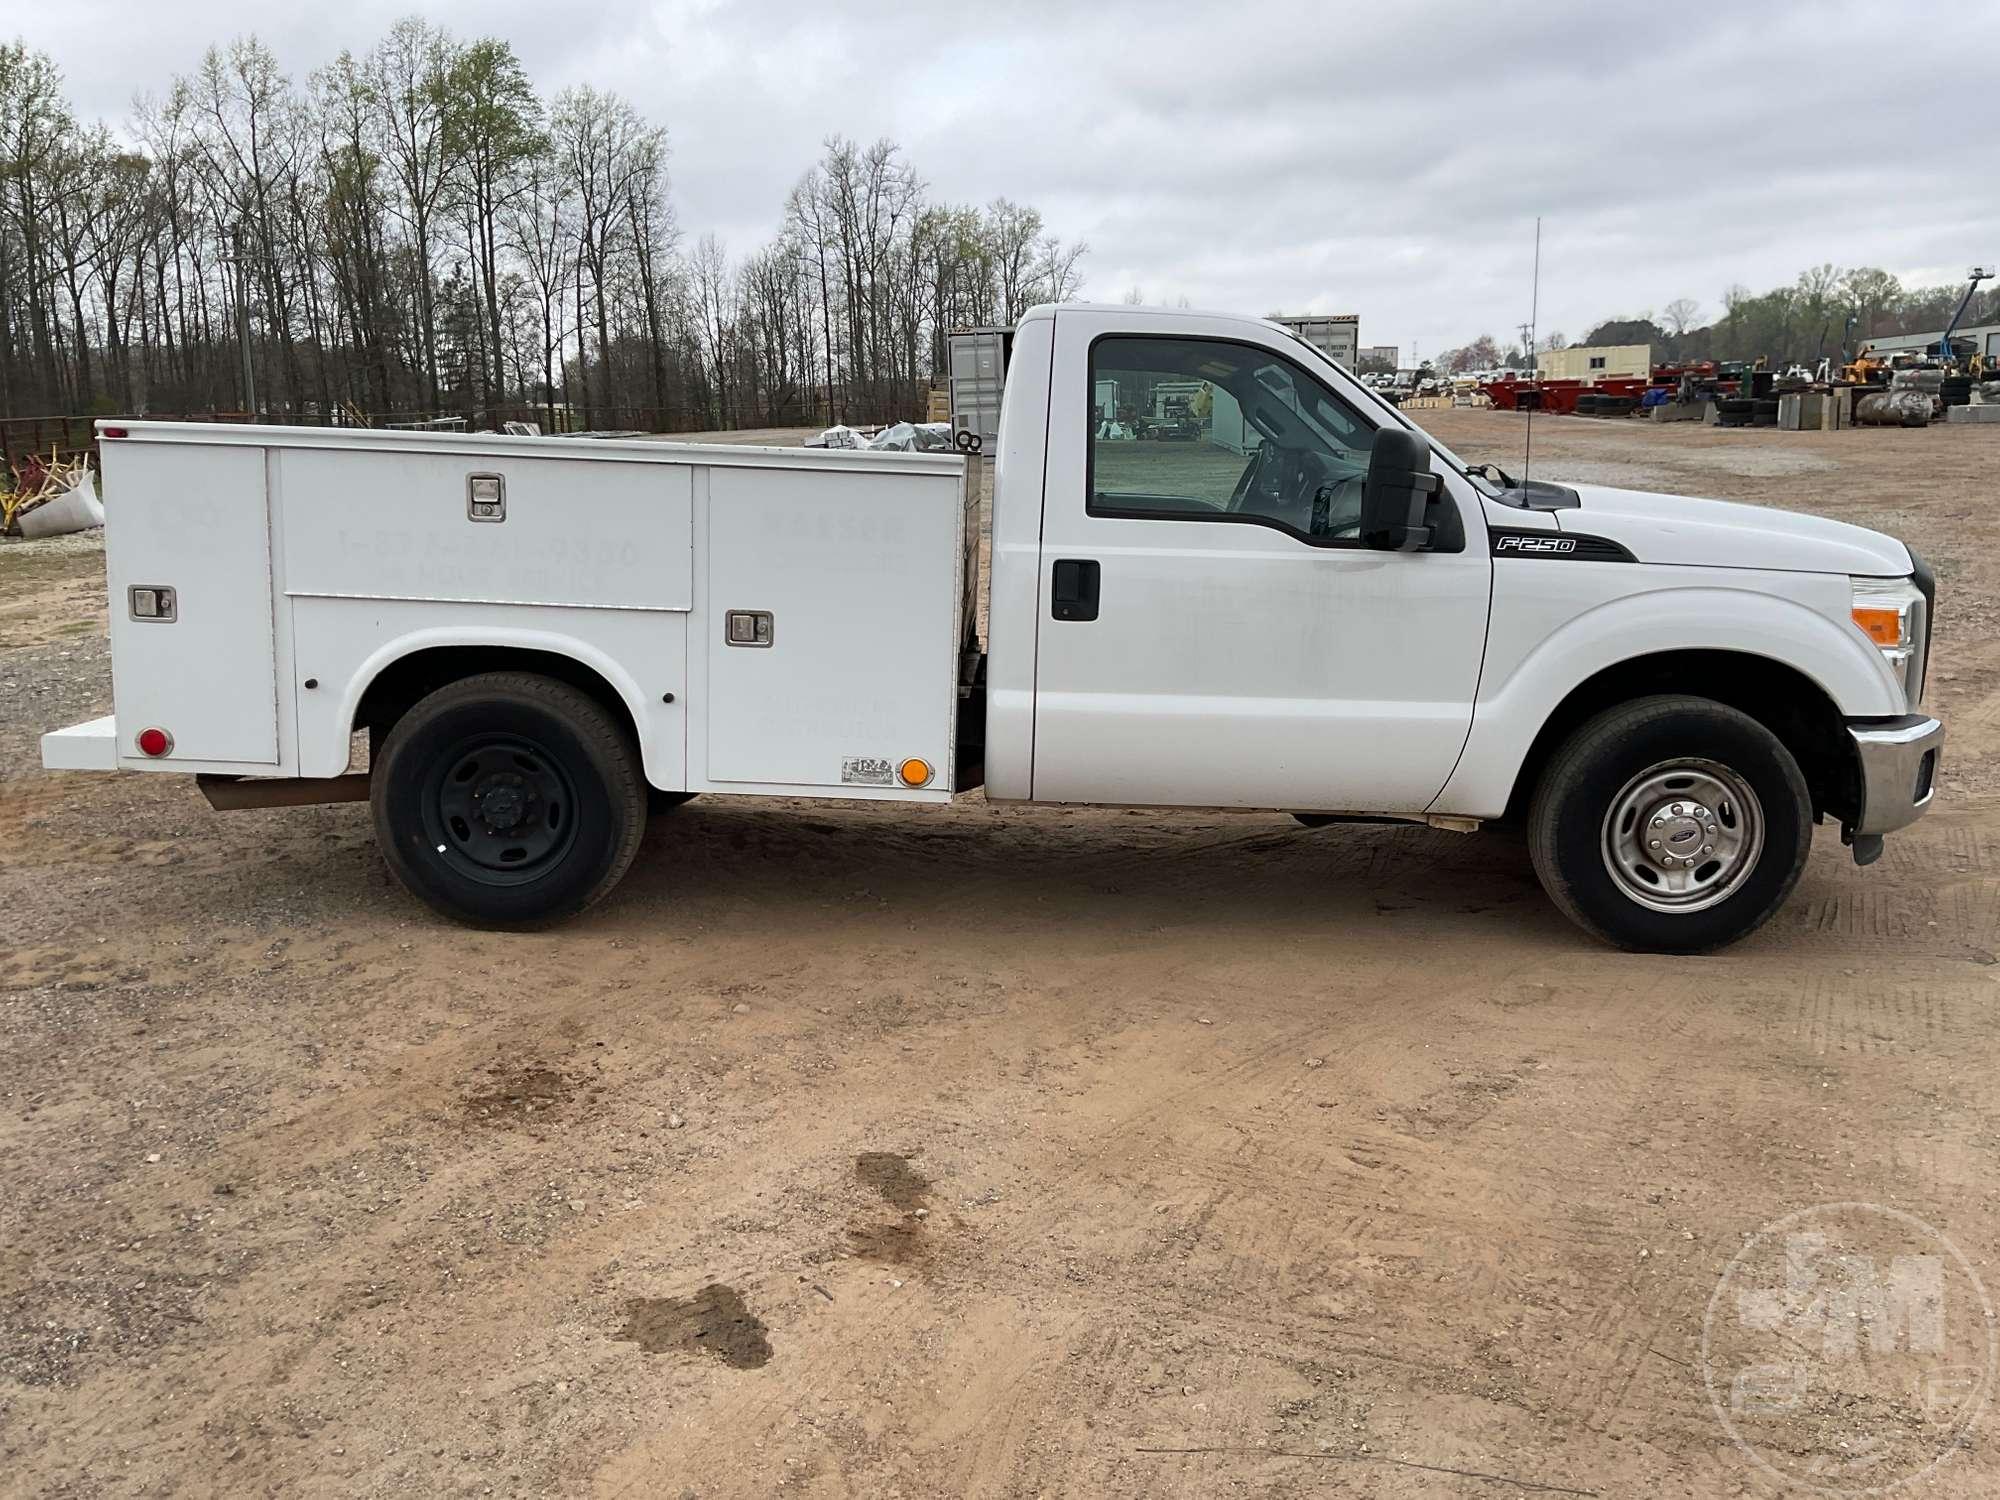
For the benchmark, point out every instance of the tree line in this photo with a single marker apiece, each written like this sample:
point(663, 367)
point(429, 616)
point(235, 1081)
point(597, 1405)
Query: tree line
point(1826, 313)
point(416, 232)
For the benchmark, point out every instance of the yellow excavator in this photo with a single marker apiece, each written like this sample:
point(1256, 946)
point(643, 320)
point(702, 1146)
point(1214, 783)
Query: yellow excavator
point(1863, 368)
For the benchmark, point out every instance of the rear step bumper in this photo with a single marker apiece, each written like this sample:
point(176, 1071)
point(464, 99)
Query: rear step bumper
point(89, 746)
point(93, 746)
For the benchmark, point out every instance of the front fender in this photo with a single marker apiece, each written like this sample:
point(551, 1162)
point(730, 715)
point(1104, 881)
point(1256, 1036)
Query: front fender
point(1533, 664)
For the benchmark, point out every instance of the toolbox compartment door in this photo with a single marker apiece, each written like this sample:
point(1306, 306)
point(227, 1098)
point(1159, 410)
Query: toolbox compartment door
point(194, 519)
point(856, 576)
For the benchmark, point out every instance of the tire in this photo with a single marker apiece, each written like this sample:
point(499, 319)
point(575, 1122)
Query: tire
point(508, 800)
point(963, 439)
point(1643, 759)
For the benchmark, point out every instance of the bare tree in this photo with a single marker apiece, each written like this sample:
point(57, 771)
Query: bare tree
point(413, 71)
point(540, 231)
point(493, 127)
point(413, 228)
point(599, 140)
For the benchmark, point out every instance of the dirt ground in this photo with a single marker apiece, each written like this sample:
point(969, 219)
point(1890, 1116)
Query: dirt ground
point(853, 1151)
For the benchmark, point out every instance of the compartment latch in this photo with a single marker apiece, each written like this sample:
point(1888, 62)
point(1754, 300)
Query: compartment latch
point(485, 497)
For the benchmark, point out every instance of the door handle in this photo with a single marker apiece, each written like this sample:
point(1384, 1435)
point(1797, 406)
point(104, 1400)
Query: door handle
point(1074, 594)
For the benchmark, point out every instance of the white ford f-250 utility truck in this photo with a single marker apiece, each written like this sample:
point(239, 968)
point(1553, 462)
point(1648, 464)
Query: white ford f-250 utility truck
point(1308, 607)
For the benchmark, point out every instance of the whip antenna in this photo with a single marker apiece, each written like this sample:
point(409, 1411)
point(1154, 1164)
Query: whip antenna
point(1534, 366)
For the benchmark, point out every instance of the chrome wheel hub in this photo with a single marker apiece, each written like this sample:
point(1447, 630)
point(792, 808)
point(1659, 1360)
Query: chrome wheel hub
point(1683, 835)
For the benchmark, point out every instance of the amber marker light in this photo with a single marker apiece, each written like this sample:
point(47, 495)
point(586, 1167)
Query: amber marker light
point(1882, 626)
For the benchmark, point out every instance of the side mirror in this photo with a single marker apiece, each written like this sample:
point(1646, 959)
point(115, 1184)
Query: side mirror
point(1397, 494)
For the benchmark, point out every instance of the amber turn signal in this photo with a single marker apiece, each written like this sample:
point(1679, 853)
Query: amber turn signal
point(915, 772)
point(1882, 626)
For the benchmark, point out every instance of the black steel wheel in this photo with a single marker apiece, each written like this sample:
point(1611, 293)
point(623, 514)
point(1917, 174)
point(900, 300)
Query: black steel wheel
point(500, 808)
point(508, 799)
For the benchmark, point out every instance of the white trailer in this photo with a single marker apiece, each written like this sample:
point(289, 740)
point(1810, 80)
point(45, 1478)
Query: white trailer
point(1328, 614)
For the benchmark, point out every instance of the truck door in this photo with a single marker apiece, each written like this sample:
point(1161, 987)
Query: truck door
point(1211, 630)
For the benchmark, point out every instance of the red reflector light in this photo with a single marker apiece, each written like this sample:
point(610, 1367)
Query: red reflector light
point(113, 432)
point(155, 742)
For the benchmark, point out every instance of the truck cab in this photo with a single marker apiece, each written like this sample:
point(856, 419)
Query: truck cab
point(1233, 623)
point(1201, 623)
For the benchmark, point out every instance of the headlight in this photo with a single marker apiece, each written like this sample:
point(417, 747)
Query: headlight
point(1890, 612)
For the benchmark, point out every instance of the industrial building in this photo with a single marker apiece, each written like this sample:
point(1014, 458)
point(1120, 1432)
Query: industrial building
point(1382, 354)
point(1984, 339)
point(1600, 363)
point(1336, 335)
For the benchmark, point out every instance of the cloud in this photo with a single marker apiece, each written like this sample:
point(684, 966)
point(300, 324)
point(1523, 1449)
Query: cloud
point(1383, 159)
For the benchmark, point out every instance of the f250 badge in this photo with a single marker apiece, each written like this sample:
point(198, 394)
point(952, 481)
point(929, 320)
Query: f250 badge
point(866, 770)
point(1550, 545)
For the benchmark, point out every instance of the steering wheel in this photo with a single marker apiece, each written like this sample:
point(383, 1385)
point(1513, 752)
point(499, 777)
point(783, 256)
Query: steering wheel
point(1251, 477)
point(1276, 476)
point(1287, 484)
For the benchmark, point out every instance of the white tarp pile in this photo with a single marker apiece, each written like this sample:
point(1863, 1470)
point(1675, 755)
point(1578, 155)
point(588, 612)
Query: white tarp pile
point(913, 437)
point(67, 501)
point(901, 437)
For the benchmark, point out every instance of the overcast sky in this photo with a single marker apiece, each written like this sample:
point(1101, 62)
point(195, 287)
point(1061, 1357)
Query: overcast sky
point(1384, 159)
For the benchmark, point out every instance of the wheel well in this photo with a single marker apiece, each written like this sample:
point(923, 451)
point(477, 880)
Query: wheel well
point(402, 684)
point(1781, 698)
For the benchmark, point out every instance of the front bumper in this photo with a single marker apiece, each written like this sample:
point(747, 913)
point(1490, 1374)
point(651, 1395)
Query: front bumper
point(1898, 760)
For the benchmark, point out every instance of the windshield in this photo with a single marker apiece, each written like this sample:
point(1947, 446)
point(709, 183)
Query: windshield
point(1479, 482)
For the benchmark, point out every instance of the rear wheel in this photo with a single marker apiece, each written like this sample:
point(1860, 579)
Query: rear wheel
point(508, 799)
point(1670, 825)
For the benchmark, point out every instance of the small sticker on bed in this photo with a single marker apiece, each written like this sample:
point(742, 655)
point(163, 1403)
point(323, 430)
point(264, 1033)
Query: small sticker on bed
point(866, 770)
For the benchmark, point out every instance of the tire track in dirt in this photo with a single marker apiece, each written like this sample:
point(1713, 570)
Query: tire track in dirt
point(1238, 1189)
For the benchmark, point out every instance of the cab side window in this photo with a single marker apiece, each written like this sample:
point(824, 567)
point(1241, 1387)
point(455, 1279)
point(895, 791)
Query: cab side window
point(1207, 429)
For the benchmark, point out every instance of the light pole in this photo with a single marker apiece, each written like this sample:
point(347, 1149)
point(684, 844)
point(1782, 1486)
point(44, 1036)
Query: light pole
point(236, 258)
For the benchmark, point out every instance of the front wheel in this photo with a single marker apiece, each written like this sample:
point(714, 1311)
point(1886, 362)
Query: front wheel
point(1670, 825)
point(508, 800)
